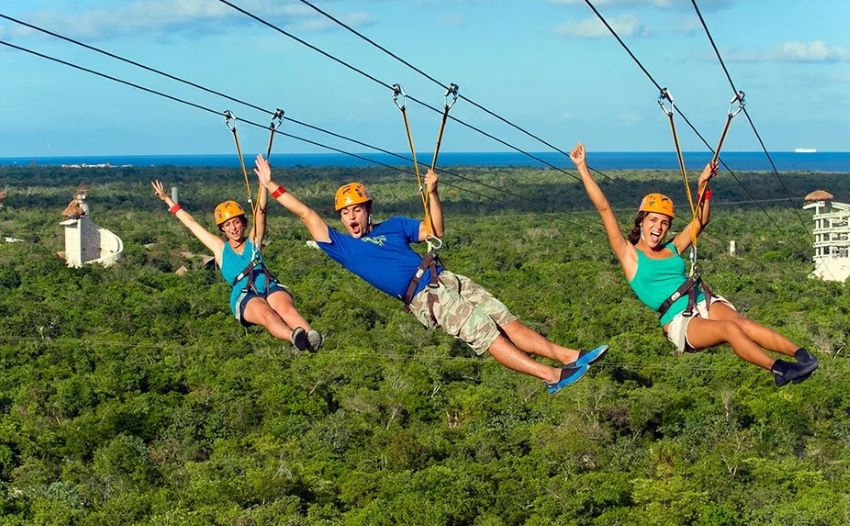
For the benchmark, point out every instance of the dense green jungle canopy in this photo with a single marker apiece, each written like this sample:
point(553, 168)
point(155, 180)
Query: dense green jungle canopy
point(129, 396)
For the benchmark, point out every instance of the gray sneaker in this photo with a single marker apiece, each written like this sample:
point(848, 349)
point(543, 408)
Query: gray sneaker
point(314, 340)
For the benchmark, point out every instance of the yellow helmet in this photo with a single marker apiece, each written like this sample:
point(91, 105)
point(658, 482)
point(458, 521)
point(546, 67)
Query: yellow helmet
point(351, 194)
point(658, 203)
point(226, 210)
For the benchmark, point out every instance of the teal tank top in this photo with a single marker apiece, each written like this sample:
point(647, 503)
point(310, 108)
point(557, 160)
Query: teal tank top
point(232, 264)
point(657, 279)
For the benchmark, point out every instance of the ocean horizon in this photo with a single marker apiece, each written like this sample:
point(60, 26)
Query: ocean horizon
point(749, 161)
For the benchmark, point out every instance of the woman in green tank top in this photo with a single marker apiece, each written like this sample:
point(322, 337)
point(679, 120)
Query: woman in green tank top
point(655, 270)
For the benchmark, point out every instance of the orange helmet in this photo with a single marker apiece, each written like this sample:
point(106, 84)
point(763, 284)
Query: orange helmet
point(226, 210)
point(351, 194)
point(658, 203)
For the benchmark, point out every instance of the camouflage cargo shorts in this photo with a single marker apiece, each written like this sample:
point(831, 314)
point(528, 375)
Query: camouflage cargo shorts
point(464, 310)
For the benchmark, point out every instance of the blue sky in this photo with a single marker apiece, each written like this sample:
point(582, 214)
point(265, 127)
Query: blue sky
point(547, 65)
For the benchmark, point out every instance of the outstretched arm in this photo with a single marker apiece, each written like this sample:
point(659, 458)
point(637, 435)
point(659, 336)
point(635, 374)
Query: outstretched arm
point(258, 232)
point(315, 224)
point(435, 206)
point(684, 238)
point(214, 243)
point(624, 250)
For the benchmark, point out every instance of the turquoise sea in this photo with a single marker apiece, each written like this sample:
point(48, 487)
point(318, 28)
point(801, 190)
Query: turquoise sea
point(749, 161)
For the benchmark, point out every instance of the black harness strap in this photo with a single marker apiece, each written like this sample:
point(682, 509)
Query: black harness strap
point(249, 271)
point(689, 287)
point(428, 262)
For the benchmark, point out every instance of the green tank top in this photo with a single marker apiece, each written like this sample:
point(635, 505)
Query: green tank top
point(657, 279)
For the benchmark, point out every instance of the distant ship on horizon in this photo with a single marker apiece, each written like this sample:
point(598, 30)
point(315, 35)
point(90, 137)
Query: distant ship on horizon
point(805, 150)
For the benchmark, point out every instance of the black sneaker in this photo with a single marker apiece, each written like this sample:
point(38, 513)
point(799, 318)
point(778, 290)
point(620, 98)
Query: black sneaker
point(805, 368)
point(299, 339)
point(314, 340)
point(784, 372)
point(804, 356)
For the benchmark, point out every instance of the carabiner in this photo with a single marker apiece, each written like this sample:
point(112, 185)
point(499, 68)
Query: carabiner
point(451, 91)
point(398, 93)
point(277, 119)
point(229, 118)
point(433, 243)
point(739, 98)
point(665, 94)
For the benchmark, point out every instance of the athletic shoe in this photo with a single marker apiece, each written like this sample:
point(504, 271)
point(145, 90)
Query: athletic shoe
point(299, 339)
point(784, 372)
point(314, 340)
point(806, 368)
point(804, 356)
point(569, 375)
point(588, 357)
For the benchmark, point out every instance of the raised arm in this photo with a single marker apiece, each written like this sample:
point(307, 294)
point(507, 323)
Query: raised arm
point(315, 224)
point(258, 232)
point(684, 238)
point(435, 206)
point(624, 250)
point(214, 243)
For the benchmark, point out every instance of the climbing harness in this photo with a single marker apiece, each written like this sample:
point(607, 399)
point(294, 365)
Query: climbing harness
point(431, 259)
point(694, 280)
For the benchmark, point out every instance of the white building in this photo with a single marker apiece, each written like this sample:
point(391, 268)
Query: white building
point(85, 242)
point(832, 236)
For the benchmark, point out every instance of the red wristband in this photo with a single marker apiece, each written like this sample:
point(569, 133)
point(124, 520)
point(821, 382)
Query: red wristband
point(175, 208)
point(706, 195)
point(279, 192)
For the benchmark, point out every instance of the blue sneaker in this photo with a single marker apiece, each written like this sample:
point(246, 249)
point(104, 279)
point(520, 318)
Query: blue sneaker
point(588, 357)
point(569, 375)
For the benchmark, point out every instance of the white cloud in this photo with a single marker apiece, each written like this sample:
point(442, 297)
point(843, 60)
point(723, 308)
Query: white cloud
point(795, 51)
point(629, 118)
point(624, 25)
point(180, 16)
point(453, 20)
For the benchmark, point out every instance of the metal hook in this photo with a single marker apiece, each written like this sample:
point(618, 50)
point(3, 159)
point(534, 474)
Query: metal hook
point(739, 98)
point(229, 118)
point(665, 94)
point(398, 93)
point(277, 119)
point(451, 91)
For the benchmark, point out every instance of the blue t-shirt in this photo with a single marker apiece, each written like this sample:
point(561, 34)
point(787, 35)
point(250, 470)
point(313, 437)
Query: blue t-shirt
point(383, 257)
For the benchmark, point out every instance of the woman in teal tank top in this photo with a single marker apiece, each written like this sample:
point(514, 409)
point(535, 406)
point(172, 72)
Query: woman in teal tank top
point(655, 271)
point(256, 298)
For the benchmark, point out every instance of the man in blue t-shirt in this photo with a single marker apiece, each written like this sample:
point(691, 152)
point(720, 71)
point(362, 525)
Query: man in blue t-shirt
point(380, 253)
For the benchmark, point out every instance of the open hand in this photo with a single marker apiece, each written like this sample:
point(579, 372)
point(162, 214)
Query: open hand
point(263, 170)
point(159, 190)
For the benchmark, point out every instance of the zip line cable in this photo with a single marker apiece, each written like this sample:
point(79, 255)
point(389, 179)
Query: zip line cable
point(258, 125)
point(747, 114)
point(218, 113)
point(289, 118)
point(679, 111)
point(435, 81)
point(389, 87)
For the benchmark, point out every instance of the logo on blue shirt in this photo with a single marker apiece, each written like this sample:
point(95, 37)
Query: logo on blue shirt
point(378, 240)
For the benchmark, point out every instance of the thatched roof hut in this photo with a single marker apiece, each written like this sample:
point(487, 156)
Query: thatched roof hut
point(818, 195)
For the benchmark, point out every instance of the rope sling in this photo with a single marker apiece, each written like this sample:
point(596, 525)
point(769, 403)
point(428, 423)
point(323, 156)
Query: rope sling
point(689, 287)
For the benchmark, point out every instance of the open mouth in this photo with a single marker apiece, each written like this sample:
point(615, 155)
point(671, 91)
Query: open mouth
point(655, 236)
point(355, 228)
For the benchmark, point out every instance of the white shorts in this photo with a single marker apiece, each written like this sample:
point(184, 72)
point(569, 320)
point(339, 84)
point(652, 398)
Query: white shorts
point(677, 329)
